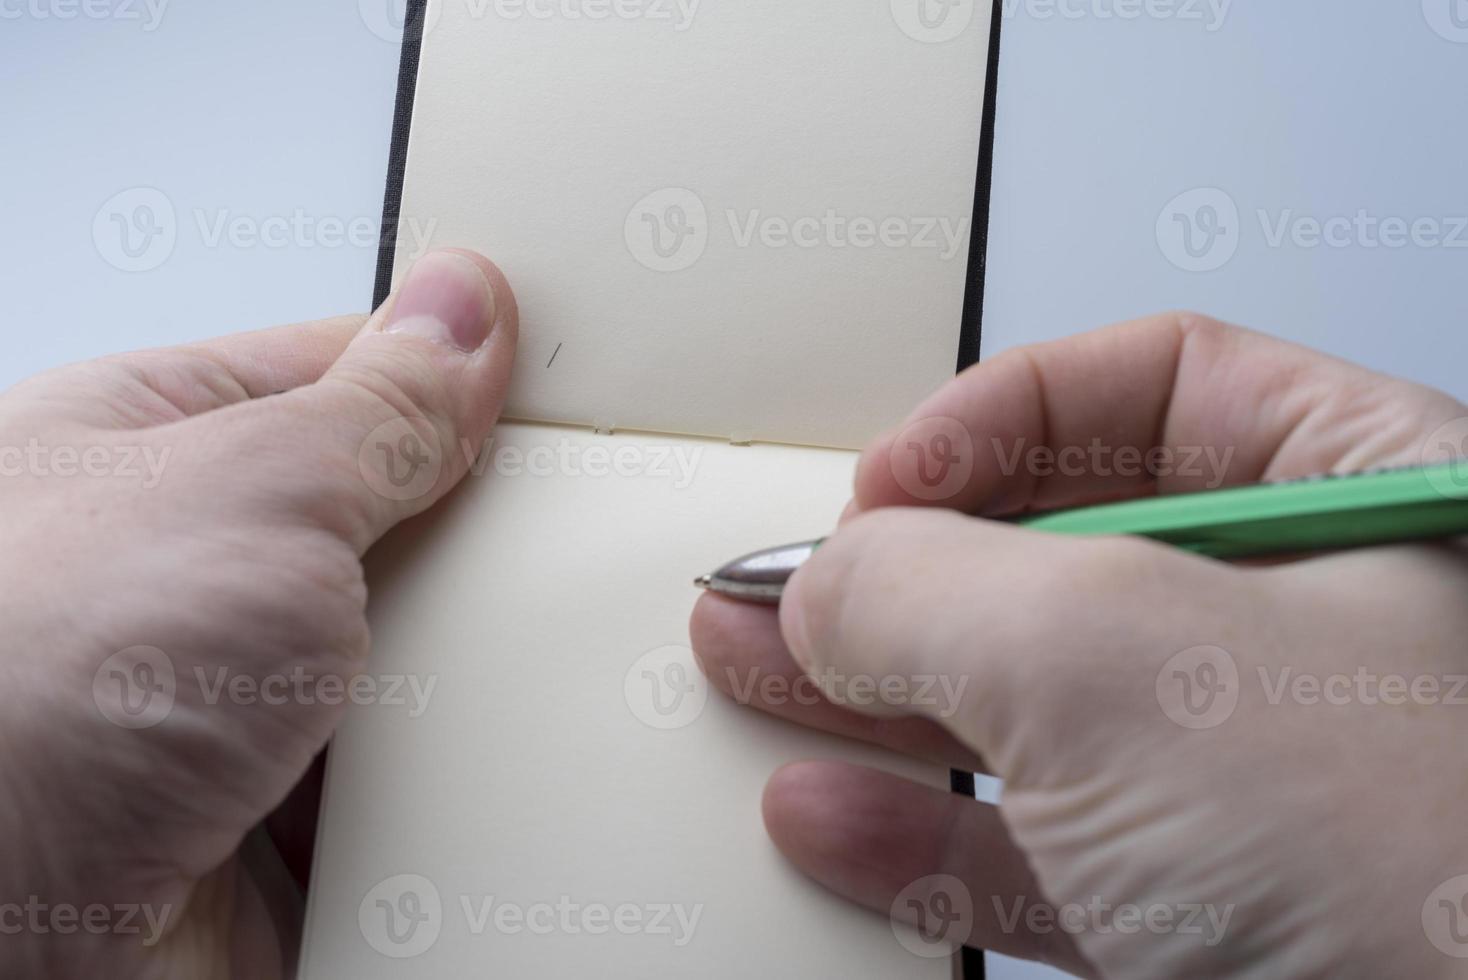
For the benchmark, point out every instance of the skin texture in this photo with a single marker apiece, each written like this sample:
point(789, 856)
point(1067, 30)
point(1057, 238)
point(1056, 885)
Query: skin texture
point(1315, 831)
point(244, 557)
point(1323, 828)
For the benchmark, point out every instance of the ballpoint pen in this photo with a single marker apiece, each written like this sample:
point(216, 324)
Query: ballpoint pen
point(1323, 513)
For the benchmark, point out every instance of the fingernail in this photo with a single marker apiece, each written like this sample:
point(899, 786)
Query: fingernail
point(445, 299)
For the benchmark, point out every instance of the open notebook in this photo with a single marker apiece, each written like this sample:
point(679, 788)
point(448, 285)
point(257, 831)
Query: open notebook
point(743, 237)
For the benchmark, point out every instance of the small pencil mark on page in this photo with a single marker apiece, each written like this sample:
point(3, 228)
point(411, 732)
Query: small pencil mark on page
point(553, 356)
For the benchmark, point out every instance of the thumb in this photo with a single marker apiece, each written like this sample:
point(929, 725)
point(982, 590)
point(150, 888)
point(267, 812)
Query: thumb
point(395, 422)
point(1031, 649)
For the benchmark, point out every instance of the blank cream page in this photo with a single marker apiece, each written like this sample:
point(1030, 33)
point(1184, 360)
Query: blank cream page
point(564, 796)
point(745, 220)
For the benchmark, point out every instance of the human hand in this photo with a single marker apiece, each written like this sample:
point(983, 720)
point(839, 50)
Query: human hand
point(178, 522)
point(1210, 770)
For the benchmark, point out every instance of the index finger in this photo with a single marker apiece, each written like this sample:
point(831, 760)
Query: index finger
point(1168, 404)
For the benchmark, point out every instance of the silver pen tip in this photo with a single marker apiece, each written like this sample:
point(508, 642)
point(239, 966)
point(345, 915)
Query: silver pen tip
point(704, 581)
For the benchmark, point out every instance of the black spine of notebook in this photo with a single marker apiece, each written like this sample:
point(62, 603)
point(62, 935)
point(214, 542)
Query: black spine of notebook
point(414, 18)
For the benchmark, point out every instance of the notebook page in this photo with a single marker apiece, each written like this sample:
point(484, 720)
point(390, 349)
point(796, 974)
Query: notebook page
point(570, 755)
point(742, 220)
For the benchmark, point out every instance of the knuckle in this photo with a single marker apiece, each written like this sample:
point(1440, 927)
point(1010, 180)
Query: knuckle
point(395, 380)
point(1201, 334)
point(306, 595)
point(1205, 327)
